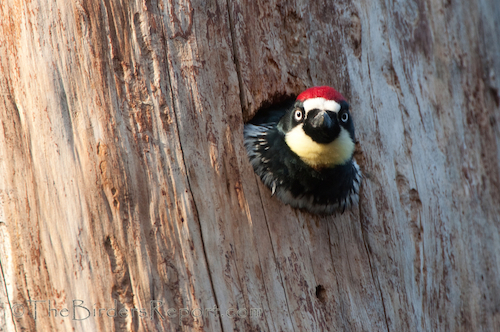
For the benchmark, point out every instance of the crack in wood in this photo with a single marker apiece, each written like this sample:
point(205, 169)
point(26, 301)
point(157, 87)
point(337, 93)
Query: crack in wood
point(236, 59)
point(376, 282)
point(205, 257)
point(4, 281)
point(257, 181)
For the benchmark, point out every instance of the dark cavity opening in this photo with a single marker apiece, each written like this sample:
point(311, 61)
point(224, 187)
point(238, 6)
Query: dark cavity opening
point(321, 293)
point(273, 111)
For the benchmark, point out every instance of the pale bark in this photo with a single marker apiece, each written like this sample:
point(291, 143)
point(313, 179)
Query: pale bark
point(124, 177)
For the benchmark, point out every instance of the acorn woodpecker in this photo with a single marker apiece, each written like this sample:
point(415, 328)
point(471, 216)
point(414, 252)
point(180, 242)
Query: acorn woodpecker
point(304, 152)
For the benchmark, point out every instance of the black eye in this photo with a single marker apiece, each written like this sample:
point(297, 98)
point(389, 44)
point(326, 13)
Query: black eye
point(344, 117)
point(298, 115)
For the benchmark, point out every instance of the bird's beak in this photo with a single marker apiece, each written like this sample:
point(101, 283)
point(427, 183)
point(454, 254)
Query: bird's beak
point(321, 120)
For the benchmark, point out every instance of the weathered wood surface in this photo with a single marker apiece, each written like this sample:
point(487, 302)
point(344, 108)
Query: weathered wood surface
point(124, 177)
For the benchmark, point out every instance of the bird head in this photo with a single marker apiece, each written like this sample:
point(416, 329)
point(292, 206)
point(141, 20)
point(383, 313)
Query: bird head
point(319, 129)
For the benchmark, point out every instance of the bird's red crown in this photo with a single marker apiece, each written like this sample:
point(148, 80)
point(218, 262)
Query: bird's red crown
point(321, 92)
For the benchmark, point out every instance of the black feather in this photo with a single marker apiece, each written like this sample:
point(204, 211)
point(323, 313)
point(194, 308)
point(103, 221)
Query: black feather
point(318, 190)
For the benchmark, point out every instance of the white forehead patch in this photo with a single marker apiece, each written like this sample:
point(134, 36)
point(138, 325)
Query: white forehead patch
point(321, 104)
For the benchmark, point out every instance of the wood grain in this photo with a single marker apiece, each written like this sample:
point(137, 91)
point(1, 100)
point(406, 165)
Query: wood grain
point(124, 182)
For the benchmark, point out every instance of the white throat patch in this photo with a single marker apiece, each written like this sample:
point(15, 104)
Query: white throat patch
point(322, 104)
point(320, 155)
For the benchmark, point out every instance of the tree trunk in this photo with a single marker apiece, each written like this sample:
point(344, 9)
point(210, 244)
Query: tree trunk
point(127, 201)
